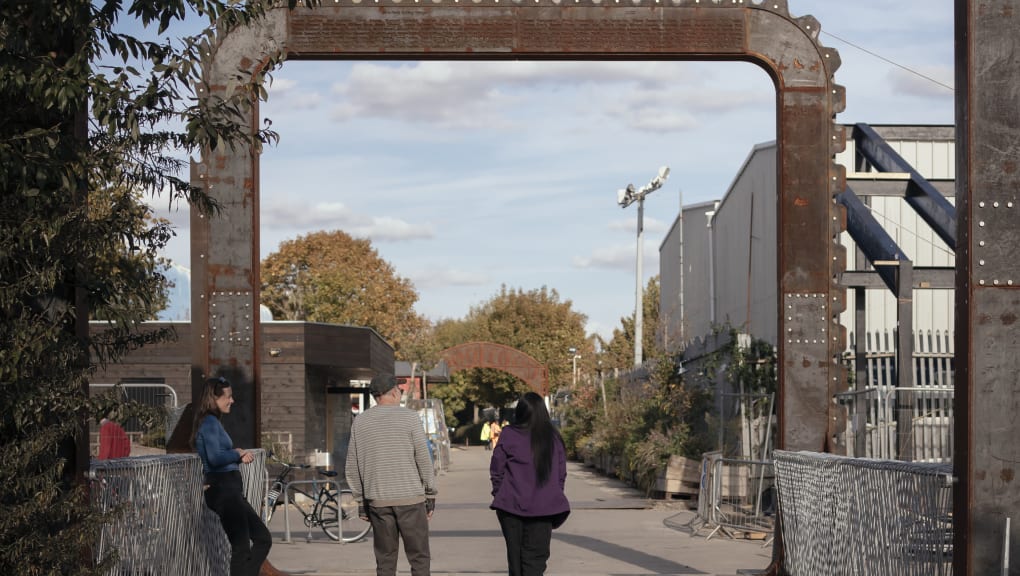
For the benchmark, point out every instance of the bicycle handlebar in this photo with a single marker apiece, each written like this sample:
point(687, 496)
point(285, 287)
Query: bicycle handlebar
point(288, 466)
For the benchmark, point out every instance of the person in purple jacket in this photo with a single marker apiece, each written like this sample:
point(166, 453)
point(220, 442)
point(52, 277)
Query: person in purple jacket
point(528, 472)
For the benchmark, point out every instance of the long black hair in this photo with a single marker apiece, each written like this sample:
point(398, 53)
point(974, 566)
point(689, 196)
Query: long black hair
point(532, 415)
point(214, 388)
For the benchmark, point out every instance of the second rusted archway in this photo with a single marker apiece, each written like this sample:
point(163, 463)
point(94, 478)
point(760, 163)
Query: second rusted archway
point(492, 355)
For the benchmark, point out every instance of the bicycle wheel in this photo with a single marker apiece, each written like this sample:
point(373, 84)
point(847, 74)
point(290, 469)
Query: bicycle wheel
point(354, 528)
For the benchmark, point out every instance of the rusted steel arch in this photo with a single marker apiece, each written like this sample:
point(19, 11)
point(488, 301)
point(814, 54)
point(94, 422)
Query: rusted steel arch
point(492, 355)
point(763, 32)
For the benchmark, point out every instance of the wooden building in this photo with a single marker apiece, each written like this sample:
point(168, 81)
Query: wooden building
point(310, 372)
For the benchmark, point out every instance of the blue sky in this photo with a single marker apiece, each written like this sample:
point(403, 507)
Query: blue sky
point(470, 175)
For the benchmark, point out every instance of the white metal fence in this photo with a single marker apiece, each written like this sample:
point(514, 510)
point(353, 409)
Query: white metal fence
point(913, 423)
point(933, 358)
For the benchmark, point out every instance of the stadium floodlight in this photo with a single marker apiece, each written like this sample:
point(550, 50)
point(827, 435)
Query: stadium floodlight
point(626, 197)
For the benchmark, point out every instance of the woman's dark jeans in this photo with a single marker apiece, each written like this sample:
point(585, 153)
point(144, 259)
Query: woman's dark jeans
point(527, 542)
point(250, 540)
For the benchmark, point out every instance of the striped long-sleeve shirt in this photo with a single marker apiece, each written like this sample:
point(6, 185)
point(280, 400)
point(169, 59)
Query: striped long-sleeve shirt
point(388, 462)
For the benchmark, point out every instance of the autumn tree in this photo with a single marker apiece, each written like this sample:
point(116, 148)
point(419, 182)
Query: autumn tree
point(88, 108)
point(335, 278)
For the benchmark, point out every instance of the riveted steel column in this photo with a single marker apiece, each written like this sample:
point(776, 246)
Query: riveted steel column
point(225, 246)
point(987, 457)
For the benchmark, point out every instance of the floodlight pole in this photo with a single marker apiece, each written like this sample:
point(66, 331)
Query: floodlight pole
point(573, 366)
point(639, 294)
point(627, 197)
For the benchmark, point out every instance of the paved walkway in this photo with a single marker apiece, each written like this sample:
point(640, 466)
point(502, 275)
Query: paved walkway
point(612, 530)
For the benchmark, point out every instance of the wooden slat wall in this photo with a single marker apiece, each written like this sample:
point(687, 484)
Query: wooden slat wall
point(298, 361)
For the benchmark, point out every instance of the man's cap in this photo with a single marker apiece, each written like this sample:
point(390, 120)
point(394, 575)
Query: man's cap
point(381, 384)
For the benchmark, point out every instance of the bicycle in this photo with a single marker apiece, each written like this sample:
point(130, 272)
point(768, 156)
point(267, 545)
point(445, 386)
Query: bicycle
point(331, 506)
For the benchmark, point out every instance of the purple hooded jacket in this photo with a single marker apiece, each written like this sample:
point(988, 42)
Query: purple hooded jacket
point(514, 483)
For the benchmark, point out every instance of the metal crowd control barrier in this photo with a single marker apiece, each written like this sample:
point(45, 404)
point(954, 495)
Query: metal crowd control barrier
point(160, 523)
point(862, 517)
point(736, 495)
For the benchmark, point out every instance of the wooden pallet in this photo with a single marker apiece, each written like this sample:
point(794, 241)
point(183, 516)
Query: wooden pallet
point(681, 478)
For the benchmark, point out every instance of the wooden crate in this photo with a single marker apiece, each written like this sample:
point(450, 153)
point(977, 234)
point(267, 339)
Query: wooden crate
point(682, 476)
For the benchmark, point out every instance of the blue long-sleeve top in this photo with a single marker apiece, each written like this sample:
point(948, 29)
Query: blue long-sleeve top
point(215, 447)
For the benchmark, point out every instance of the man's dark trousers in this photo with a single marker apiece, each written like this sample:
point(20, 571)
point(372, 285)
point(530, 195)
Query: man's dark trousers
point(391, 523)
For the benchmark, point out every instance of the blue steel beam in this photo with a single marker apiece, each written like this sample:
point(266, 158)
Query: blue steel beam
point(921, 195)
point(870, 237)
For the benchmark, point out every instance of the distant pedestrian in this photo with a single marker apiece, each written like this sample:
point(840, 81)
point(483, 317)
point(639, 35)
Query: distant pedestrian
point(528, 470)
point(249, 538)
point(391, 477)
point(113, 440)
point(494, 431)
point(486, 435)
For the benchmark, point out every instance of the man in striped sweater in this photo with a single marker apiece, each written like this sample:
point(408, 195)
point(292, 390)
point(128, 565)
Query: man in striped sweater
point(390, 473)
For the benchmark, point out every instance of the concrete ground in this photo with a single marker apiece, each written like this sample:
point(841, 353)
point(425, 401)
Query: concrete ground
point(612, 530)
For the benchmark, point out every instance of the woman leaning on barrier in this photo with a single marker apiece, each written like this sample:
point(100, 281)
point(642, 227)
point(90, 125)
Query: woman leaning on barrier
point(249, 538)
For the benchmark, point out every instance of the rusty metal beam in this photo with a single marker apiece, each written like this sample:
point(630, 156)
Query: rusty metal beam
point(987, 455)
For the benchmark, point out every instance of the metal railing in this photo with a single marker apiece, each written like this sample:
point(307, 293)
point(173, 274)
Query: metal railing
point(147, 393)
point(858, 517)
point(736, 496)
point(914, 424)
point(160, 523)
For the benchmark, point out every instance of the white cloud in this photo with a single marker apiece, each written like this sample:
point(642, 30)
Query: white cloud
point(297, 215)
point(620, 257)
point(336, 215)
point(282, 85)
point(630, 225)
point(291, 94)
point(425, 92)
point(178, 212)
point(914, 85)
point(680, 108)
point(650, 96)
point(440, 277)
point(383, 229)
